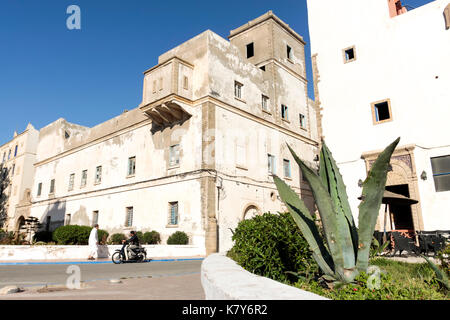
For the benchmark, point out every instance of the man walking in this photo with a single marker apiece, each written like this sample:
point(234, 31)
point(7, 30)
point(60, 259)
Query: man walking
point(93, 242)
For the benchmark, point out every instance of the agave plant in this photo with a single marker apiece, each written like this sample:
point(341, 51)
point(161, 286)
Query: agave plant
point(344, 252)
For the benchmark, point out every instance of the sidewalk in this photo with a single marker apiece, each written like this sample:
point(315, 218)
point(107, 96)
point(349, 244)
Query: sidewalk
point(85, 261)
point(175, 287)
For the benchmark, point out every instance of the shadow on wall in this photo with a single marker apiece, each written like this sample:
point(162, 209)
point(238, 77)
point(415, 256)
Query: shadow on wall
point(54, 216)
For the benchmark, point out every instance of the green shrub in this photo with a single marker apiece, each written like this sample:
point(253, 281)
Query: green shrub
point(43, 236)
point(444, 257)
point(140, 235)
point(76, 235)
point(270, 245)
point(178, 237)
point(152, 237)
point(102, 236)
point(117, 238)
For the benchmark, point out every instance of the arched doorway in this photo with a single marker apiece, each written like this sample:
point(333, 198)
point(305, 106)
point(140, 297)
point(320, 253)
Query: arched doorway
point(19, 224)
point(251, 211)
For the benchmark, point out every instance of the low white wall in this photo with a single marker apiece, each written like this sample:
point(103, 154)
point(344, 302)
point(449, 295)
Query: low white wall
point(42, 252)
point(224, 279)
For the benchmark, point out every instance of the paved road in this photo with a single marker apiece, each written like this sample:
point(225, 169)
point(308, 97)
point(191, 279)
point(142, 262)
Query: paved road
point(33, 275)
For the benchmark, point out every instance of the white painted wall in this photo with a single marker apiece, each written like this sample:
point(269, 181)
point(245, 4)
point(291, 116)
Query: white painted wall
point(405, 59)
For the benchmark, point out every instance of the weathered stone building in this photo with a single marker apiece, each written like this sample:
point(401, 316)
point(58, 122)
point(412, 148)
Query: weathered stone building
point(17, 157)
point(198, 153)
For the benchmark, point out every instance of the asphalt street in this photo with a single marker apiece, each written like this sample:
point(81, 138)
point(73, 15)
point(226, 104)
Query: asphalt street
point(34, 275)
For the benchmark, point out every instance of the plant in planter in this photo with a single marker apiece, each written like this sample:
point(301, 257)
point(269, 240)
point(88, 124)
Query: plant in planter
point(152, 237)
point(345, 252)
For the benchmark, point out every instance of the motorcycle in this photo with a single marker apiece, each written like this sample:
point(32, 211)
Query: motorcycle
point(123, 255)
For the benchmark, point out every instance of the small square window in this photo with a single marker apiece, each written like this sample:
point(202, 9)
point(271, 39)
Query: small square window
point(349, 54)
point(381, 111)
point(238, 89)
point(250, 50)
point(284, 112)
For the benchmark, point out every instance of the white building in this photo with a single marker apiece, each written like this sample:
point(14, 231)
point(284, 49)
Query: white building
point(382, 72)
point(198, 153)
point(17, 158)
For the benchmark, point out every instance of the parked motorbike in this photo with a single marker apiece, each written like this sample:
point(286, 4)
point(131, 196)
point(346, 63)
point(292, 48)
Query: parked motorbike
point(123, 255)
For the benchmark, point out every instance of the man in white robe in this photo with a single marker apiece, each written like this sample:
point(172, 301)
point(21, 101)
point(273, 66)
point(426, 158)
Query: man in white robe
point(93, 242)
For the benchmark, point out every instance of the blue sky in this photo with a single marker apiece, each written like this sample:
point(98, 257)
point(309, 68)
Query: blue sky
point(90, 75)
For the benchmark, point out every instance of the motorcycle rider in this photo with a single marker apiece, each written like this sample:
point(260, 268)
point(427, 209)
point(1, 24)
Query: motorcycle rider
point(134, 243)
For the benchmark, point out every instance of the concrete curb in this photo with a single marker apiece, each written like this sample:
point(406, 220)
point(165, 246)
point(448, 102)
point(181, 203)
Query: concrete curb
point(223, 279)
point(88, 262)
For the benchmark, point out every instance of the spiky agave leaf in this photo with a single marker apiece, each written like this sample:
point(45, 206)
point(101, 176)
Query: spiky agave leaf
point(440, 275)
point(306, 224)
point(346, 226)
point(372, 195)
point(341, 193)
point(328, 216)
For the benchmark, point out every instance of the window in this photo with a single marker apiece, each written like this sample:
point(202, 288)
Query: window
point(174, 155)
point(83, 178)
point(250, 50)
point(185, 83)
point(131, 166)
point(66, 135)
point(9, 154)
point(381, 111)
point(49, 221)
point(271, 163)
point(67, 220)
point(441, 173)
point(284, 112)
point(287, 168)
point(265, 103)
point(349, 54)
point(238, 89)
point(52, 186)
point(160, 84)
point(15, 151)
point(154, 86)
point(173, 213)
point(4, 157)
point(302, 120)
point(39, 191)
point(289, 52)
point(71, 181)
point(263, 68)
point(98, 174)
point(94, 218)
point(129, 217)
point(13, 168)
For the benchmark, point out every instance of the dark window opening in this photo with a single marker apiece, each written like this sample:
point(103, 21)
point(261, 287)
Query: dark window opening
point(382, 111)
point(349, 54)
point(289, 52)
point(250, 50)
point(263, 68)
